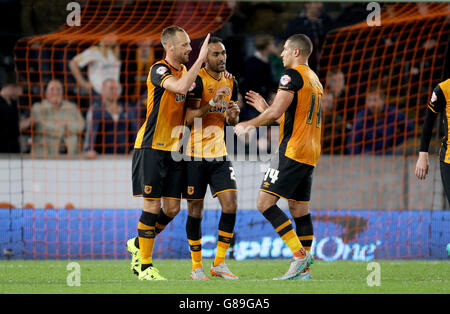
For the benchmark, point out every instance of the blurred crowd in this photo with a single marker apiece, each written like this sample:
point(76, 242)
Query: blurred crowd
point(92, 100)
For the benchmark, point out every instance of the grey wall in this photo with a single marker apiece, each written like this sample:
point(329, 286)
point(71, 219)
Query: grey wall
point(340, 182)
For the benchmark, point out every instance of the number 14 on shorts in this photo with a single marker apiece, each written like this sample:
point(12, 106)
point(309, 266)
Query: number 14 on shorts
point(272, 174)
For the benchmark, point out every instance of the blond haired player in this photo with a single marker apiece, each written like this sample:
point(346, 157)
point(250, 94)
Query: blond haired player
point(298, 104)
point(155, 174)
point(213, 98)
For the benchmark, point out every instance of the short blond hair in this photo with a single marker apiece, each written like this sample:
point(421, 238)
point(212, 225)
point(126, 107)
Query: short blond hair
point(168, 34)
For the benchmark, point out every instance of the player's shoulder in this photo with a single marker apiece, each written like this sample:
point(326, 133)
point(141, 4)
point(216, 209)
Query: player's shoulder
point(160, 67)
point(445, 85)
point(295, 73)
point(446, 82)
point(159, 72)
point(203, 74)
point(307, 75)
point(292, 71)
point(290, 78)
point(441, 91)
point(230, 81)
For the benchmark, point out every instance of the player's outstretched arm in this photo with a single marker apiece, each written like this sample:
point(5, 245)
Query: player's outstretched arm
point(257, 101)
point(182, 85)
point(280, 104)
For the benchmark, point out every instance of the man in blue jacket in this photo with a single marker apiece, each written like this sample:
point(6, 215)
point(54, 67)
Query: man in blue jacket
point(112, 128)
point(378, 128)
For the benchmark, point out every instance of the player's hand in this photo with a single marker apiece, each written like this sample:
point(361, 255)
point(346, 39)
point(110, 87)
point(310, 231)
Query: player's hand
point(242, 128)
point(204, 49)
point(256, 101)
point(228, 75)
point(422, 166)
point(232, 110)
point(221, 92)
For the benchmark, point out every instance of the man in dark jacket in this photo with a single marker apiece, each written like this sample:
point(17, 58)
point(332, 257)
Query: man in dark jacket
point(10, 123)
point(379, 127)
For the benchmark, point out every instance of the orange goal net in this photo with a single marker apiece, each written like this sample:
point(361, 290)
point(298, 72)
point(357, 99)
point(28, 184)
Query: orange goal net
point(378, 83)
point(68, 195)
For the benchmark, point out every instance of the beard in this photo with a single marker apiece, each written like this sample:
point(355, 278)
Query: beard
point(220, 68)
point(183, 58)
point(217, 68)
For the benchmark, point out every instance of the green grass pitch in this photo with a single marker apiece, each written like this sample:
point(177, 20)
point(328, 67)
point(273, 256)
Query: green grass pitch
point(114, 276)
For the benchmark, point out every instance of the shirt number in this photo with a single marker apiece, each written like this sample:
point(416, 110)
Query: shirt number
point(315, 99)
point(232, 175)
point(272, 174)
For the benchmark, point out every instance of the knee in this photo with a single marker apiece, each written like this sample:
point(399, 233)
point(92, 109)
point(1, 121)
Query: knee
point(152, 206)
point(172, 210)
point(298, 209)
point(230, 207)
point(265, 201)
point(262, 204)
point(195, 209)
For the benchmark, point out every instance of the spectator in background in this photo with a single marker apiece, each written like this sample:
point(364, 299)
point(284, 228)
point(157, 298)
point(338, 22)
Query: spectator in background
point(138, 69)
point(10, 122)
point(344, 98)
point(112, 128)
point(351, 13)
point(314, 23)
point(42, 17)
point(276, 62)
point(258, 75)
point(57, 124)
point(103, 63)
point(379, 127)
point(335, 128)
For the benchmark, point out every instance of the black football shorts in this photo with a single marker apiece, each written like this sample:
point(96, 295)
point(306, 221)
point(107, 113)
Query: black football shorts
point(155, 174)
point(199, 173)
point(288, 179)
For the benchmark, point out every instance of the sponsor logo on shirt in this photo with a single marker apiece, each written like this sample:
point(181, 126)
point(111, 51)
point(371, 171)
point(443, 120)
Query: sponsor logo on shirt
point(285, 79)
point(161, 70)
point(433, 97)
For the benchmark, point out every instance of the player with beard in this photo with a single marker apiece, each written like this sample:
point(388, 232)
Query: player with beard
point(155, 174)
point(211, 102)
